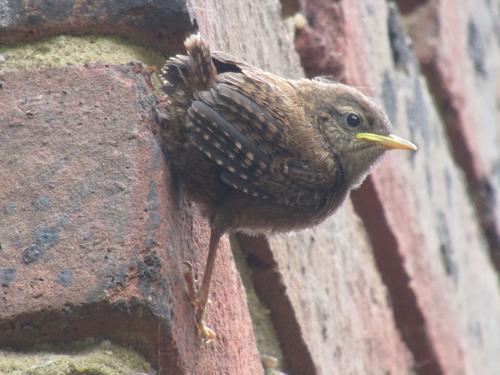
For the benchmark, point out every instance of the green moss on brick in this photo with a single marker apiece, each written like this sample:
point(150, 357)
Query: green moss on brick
point(66, 50)
point(81, 357)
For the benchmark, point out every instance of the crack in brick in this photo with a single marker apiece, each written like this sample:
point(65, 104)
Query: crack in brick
point(271, 291)
point(408, 315)
point(478, 187)
point(125, 323)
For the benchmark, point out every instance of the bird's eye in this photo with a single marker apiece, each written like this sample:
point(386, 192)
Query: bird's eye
point(353, 120)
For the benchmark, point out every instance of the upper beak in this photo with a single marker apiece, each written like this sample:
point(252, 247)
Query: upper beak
point(388, 141)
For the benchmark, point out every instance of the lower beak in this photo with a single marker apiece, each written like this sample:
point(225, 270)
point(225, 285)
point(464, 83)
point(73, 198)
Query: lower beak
point(388, 141)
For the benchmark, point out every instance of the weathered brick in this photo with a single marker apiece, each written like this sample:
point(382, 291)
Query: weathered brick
point(93, 232)
point(161, 24)
point(460, 54)
point(426, 237)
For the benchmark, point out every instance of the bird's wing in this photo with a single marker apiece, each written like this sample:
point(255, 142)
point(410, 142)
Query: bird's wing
point(241, 125)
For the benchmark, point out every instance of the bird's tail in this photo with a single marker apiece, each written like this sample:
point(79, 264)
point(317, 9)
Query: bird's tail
point(183, 75)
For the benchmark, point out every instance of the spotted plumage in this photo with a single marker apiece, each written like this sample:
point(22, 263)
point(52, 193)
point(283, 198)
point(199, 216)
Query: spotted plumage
point(260, 152)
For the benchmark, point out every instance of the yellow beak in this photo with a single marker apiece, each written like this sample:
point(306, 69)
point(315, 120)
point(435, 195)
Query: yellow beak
point(389, 141)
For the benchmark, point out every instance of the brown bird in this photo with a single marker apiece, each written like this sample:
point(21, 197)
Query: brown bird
point(262, 153)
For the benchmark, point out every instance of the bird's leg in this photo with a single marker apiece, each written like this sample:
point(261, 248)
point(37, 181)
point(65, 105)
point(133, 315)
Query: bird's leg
point(199, 296)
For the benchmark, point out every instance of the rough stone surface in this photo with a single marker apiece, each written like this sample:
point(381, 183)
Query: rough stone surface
point(460, 53)
point(427, 240)
point(329, 305)
point(93, 234)
point(243, 29)
point(82, 357)
point(162, 24)
point(63, 50)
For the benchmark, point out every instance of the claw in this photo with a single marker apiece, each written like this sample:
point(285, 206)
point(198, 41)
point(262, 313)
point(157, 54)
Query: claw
point(189, 272)
point(191, 284)
point(188, 265)
point(207, 334)
point(199, 296)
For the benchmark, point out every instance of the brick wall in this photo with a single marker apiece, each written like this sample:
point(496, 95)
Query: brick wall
point(94, 229)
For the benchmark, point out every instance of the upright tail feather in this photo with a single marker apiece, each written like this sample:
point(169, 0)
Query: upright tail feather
point(184, 75)
point(201, 68)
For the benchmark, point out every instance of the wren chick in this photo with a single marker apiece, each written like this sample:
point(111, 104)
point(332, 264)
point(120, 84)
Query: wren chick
point(262, 153)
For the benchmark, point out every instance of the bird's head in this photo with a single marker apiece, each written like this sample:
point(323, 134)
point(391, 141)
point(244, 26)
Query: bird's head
point(353, 127)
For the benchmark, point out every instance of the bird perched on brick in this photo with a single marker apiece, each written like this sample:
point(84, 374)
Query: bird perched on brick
point(262, 153)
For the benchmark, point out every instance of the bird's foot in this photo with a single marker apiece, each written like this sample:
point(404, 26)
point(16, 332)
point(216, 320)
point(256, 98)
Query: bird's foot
point(190, 278)
point(198, 300)
point(207, 334)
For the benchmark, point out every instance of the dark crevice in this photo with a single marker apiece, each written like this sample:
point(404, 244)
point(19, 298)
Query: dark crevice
point(225, 67)
point(390, 264)
point(127, 324)
point(271, 291)
point(408, 6)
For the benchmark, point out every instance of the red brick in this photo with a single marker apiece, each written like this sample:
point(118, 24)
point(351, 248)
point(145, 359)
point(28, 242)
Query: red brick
point(408, 288)
point(460, 59)
point(94, 233)
point(427, 241)
point(161, 24)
